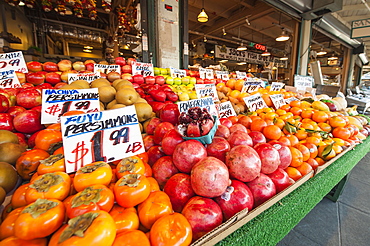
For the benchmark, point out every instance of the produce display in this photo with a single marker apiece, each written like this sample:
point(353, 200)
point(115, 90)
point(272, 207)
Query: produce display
point(179, 189)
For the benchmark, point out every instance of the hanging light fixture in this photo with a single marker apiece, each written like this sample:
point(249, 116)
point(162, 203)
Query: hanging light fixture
point(266, 53)
point(202, 17)
point(205, 39)
point(284, 58)
point(333, 57)
point(322, 52)
point(242, 47)
point(223, 31)
point(283, 36)
point(21, 3)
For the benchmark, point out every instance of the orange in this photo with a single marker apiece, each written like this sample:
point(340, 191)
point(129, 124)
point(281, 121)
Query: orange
point(306, 113)
point(315, 140)
point(326, 152)
point(301, 134)
point(258, 125)
point(337, 121)
point(271, 115)
point(280, 111)
point(320, 116)
point(279, 122)
point(324, 126)
point(304, 150)
point(272, 132)
point(297, 157)
point(306, 126)
point(285, 107)
point(312, 148)
point(245, 121)
point(234, 94)
point(314, 164)
point(231, 83)
point(293, 173)
point(239, 84)
point(305, 168)
point(320, 161)
point(295, 103)
point(341, 132)
point(284, 140)
point(293, 139)
point(296, 110)
point(219, 86)
point(242, 95)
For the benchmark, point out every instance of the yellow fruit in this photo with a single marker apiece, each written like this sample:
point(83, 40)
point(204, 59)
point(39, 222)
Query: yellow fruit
point(320, 106)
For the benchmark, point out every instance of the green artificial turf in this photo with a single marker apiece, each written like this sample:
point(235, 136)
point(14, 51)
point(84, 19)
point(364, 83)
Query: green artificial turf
point(273, 224)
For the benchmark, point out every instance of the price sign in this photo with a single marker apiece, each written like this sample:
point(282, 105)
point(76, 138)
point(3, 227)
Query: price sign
point(206, 102)
point(225, 110)
point(288, 100)
point(145, 69)
point(177, 73)
point(301, 82)
point(101, 136)
point(241, 75)
point(8, 79)
point(250, 85)
point(224, 75)
point(57, 102)
point(13, 61)
point(102, 68)
point(206, 73)
point(206, 90)
point(89, 77)
point(276, 86)
point(254, 102)
point(277, 100)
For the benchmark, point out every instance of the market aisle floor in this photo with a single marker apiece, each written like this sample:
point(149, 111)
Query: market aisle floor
point(342, 223)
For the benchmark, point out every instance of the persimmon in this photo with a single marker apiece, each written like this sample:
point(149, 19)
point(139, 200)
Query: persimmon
point(258, 125)
point(320, 116)
point(297, 157)
point(131, 238)
point(125, 218)
point(341, 132)
point(314, 164)
point(312, 148)
point(304, 150)
point(337, 121)
point(130, 165)
point(272, 132)
point(293, 173)
point(296, 110)
point(305, 168)
point(245, 121)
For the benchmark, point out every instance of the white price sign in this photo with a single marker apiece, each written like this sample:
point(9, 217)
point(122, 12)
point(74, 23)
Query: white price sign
point(250, 85)
point(224, 75)
point(225, 110)
point(206, 73)
point(206, 90)
point(277, 100)
point(101, 136)
point(57, 102)
point(276, 86)
point(254, 102)
point(241, 75)
point(206, 102)
point(145, 69)
point(177, 73)
point(301, 82)
point(102, 68)
point(89, 77)
point(290, 99)
point(13, 61)
point(8, 79)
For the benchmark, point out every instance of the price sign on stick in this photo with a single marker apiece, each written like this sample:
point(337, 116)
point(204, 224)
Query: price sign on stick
point(302, 82)
point(145, 69)
point(8, 79)
point(276, 86)
point(225, 109)
point(101, 136)
point(254, 102)
point(224, 75)
point(13, 61)
point(89, 77)
point(206, 73)
point(277, 100)
point(206, 90)
point(241, 75)
point(206, 102)
point(177, 73)
point(251, 86)
point(102, 68)
point(57, 102)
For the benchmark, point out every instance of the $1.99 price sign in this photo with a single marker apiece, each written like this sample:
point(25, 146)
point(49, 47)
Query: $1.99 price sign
point(251, 86)
point(57, 102)
point(225, 110)
point(8, 79)
point(277, 100)
point(254, 102)
point(101, 136)
point(145, 69)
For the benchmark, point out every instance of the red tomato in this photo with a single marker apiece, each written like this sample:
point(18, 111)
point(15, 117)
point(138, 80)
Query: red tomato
point(125, 218)
point(39, 219)
point(29, 161)
point(131, 238)
point(131, 189)
point(48, 140)
point(54, 163)
point(91, 174)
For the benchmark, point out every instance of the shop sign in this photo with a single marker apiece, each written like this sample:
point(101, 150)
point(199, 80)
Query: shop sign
point(225, 110)
point(259, 47)
point(89, 77)
point(254, 102)
point(101, 136)
point(276, 86)
point(57, 102)
point(205, 102)
point(251, 85)
point(145, 69)
point(8, 79)
point(102, 68)
point(224, 75)
point(206, 90)
point(277, 100)
point(241, 75)
point(360, 28)
point(206, 73)
point(177, 73)
point(13, 61)
point(301, 82)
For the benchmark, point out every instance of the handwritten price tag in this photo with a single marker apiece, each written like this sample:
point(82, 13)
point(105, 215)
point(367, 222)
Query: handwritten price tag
point(8, 79)
point(241, 75)
point(276, 86)
point(225, 110)
point(288, 100)
point(277, 100)
point(89, 77)
point(206, 102)
point(224, 75)
point(177, 73)
point(301, 82)
point(101, 136)
point(250, 85)
point(206, 73)
point(13, 61)
point(254, 102)
point(102, 68)
point(145, 69)
point(56, 102)
point(206, 90)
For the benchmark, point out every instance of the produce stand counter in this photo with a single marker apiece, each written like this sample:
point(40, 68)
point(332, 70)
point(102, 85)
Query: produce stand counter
point(273, 224)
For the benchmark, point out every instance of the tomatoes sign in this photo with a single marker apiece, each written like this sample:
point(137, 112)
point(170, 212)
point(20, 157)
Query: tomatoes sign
point(206, 90)
point(145, 69)
point(13, 61)
point(277, 100)
point(225, 110)
point(57, 102)
point(224, 75)
point(206, 73)
point(8, 79)
point(177, 73)
point(102, 68)
point(254, 102)
point(251, 86)
point(89, 77)
point(276, 86)
point(100, 136)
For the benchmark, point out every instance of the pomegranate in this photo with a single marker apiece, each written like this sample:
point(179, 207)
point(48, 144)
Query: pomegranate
point(280, 179)
point(170, 140)
point(262, 189)
point(236, 198)
point(218, 148)
point(270, 158)
point(170, 113)
point(163, 169)
point(160, 130)
point(257, 137)
point(239, 138)
point(179, 189)
point(238, 127)
point(148, 141)
point(284, 153)
point(226, 122)
point(154, 153)
point(203, 214)
point(209, 177)
point(151, 125)
point(195, 122)
point(188, 153)
point(222, 131)
point(243, 162)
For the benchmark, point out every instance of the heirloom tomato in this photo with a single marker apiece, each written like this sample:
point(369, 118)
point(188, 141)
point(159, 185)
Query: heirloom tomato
point(131, 189)
point(95, 197)
point(49, 186)
point(54, 163)
point(130, 165)
point(95, 228)
point(48, 140)
point(29, 161)
point(14, 241)
point(94, 173)
point(39, 219)
point(155, 206)
point(131, 238)
point(125, 218)
point(7, 226)
point(19, 196)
